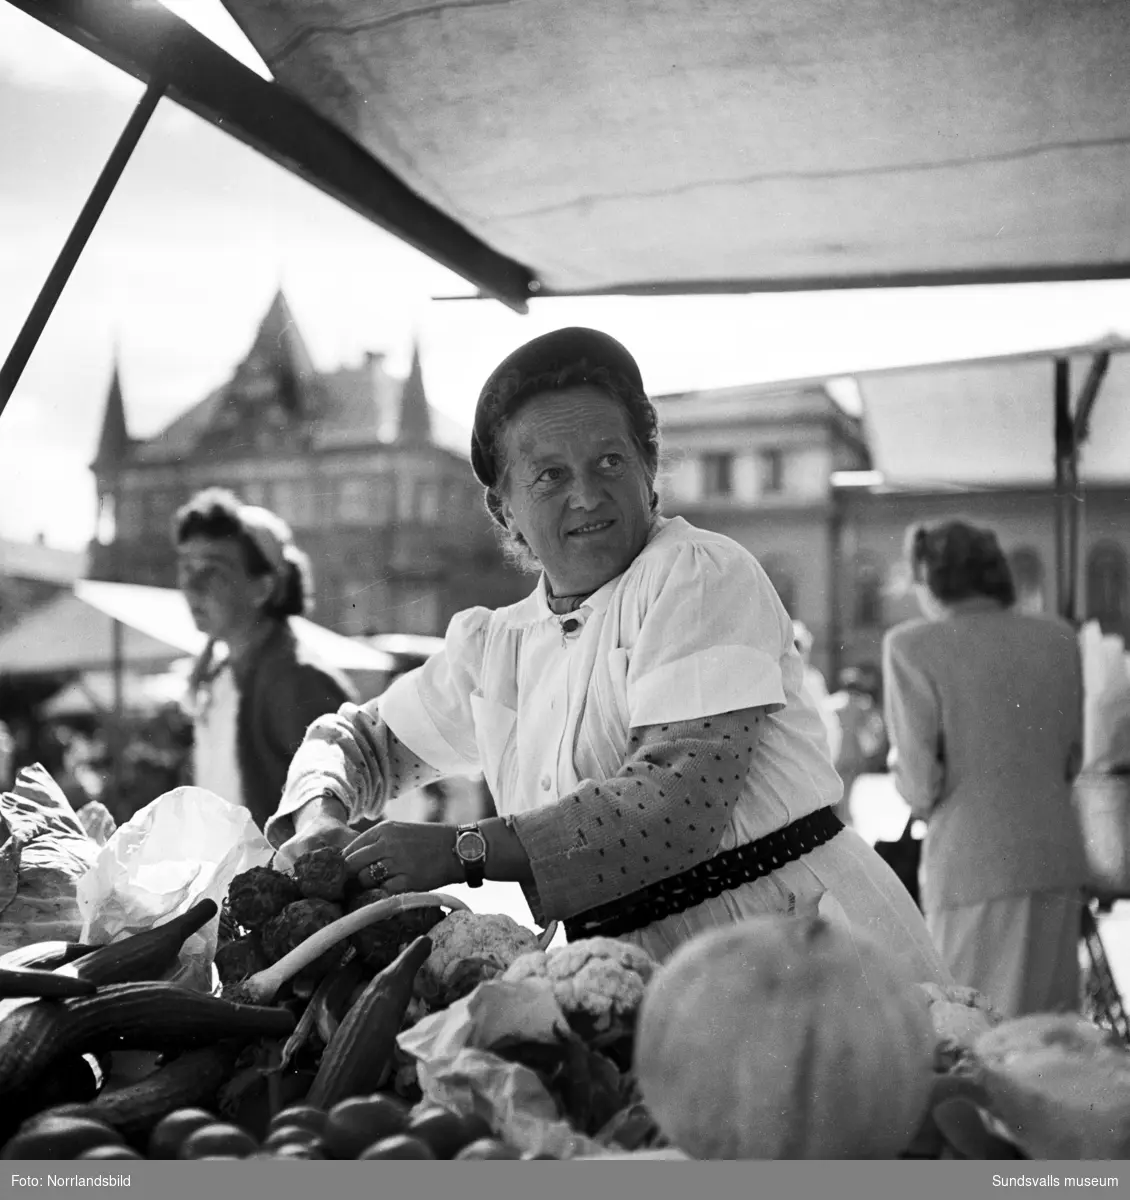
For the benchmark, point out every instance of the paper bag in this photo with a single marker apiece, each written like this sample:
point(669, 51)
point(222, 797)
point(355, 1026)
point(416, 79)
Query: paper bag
point(184, 847)
point(457, 1070)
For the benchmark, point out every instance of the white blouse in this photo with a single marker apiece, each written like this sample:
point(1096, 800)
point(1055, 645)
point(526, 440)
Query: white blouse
point(215, 759)
point(691, 629)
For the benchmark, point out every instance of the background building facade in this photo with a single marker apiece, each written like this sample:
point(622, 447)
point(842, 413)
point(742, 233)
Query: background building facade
point(757, 464)
point(377, 487)
point(374, 482)
point(773, 467)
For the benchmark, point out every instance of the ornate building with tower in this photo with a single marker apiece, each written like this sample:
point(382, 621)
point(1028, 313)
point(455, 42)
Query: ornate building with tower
point(374, 482)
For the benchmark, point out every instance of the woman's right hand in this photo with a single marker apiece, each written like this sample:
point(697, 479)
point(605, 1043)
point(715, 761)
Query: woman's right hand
point(319, 823)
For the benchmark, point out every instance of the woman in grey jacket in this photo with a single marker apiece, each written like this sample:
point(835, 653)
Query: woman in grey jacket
point(984, 711)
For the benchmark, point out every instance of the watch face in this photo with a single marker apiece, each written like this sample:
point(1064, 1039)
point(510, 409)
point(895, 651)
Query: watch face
point(471, 846)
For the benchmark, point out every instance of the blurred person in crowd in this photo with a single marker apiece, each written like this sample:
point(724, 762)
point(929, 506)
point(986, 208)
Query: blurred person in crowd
point(255, 688)
point(863, 741)
point(984, 711)
point(817, 688)
point(640, 716)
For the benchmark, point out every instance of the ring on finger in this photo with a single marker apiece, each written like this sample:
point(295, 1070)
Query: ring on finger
point(378, 873)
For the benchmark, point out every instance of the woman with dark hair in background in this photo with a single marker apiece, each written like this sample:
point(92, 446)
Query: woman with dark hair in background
point(255, 688)
point(984, 712)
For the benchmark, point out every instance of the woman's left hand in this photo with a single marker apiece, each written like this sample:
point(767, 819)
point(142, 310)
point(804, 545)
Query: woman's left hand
point(404, 856)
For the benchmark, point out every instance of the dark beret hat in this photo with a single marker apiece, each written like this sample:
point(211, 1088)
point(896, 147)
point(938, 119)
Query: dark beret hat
point(543, 356)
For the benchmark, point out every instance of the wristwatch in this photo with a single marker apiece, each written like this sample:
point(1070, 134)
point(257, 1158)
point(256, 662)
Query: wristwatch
point(471, 850)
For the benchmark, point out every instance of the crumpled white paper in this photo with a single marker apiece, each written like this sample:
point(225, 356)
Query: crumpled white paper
point(183, 847)
point(456, 1068)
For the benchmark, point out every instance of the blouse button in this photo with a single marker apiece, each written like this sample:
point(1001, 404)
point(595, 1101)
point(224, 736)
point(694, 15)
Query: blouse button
point(546, 783)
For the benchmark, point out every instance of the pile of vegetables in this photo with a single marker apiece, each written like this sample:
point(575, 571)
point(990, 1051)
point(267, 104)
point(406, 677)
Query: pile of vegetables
point(317, 980)
point(778, 1037)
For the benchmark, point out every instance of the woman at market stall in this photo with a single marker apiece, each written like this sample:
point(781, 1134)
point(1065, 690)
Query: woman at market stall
point(255, 687)
point(639, 717)
point(984, 710)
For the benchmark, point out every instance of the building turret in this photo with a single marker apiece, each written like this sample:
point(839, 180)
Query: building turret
point(415, 416)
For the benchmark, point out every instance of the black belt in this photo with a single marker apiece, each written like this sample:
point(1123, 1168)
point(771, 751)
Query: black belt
point(722, 873)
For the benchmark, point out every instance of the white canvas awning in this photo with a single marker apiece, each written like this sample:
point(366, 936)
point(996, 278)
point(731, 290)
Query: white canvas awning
point(991, 422)
point(682, 145)
point(75, 632)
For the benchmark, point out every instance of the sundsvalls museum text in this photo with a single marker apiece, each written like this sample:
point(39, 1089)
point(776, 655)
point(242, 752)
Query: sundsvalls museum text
point(93, 1181)
point(1103, 1181)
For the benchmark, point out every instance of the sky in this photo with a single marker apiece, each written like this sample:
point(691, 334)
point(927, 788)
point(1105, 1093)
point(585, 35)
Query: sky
point(202, 231)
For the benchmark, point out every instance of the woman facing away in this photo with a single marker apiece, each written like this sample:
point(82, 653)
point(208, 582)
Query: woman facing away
point(984, 710)
point(639, 717)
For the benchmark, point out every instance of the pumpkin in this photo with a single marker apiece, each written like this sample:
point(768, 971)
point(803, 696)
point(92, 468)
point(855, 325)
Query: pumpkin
point(781, 1038)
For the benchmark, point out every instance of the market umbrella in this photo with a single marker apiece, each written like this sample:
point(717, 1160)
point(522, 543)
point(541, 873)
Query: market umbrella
point(125, 628)
point(102, 626)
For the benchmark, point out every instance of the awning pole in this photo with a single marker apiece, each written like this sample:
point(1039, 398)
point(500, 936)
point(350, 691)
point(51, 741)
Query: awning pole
point(56, 280)
point(1080, 428)
point(1063, 443)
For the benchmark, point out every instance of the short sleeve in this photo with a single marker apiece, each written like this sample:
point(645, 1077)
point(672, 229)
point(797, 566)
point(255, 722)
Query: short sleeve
point(712, 636)
point(429, 709)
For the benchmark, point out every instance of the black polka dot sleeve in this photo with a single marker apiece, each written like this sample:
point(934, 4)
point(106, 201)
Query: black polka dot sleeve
point(665, 810)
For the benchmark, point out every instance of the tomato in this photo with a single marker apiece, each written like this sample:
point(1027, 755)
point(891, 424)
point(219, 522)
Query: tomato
point(305, 1115)
point(109, 1152)
point(483, 1148)
point(219, 1138)
point(445, 1132)
point(59, 1138)
point(400, 1145)
point(294, 1137)
point(354, 1124)
point(170, 1131)
point(304, 1150)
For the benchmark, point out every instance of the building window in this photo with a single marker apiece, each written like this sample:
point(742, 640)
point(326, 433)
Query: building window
point(772, 471)
point(1106, 587)
point(294, 501)
point(131, 517)
point(353, 501)
point(1028, 579)
point(784, 584)
point(105, 531)
point(161, 507)
point(383, 493)
point(717, 474)
point(427, 503)
point(868, 594)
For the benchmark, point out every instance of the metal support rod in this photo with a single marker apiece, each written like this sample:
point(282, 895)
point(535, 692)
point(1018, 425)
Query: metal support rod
point(1080, 428)
point(1063, 440)
point(57, 277)
point(1073, 499)
point(1088, 395)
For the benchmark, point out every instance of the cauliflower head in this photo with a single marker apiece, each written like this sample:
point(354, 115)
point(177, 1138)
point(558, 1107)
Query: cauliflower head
point(959, 1016)
point(468, 948)
point(599, 979)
